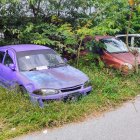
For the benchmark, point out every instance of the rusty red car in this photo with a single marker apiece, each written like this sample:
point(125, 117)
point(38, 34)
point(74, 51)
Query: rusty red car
point(115, 54)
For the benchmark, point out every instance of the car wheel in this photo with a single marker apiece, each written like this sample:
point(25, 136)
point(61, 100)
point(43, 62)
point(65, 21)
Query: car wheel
point(23, 90)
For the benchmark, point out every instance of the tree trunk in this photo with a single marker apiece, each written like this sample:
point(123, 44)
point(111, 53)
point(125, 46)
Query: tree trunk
point(129, 25)
point(78, 52)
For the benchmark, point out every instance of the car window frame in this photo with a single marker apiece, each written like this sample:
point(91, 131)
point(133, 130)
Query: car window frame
point(12, 54)
point(6, 53)
point(3, 56)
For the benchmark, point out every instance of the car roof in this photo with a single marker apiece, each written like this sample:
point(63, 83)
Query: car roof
point(97, 38)
point(132, 35)
point(24, 47)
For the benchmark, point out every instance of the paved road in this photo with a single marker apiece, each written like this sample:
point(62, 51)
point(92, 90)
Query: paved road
point(121, 124)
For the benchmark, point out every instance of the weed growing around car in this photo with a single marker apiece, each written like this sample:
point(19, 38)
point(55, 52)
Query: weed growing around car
point(18, 116)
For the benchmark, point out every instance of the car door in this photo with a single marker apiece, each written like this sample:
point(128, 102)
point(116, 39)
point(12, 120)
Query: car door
point(8, 75)
point(108, 59)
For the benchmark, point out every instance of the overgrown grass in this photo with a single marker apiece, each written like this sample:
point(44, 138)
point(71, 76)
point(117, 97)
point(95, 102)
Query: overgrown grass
point(109, 90)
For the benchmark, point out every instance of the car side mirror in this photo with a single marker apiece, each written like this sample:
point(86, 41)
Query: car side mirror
point(65, 60)
point(12, 66)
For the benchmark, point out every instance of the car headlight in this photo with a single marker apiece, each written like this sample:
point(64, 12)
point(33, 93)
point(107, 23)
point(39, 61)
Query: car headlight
point(126, 67)
point(45, 92)
point(87, 84)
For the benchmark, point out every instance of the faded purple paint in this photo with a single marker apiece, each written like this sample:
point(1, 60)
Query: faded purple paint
point(54, 78)
point(57, 78)
point(83, 91)
point(25, 47)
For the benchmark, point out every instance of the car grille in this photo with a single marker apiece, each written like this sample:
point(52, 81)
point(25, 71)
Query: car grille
point(71, 89)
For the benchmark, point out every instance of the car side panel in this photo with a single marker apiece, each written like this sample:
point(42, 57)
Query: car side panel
point(110, 61)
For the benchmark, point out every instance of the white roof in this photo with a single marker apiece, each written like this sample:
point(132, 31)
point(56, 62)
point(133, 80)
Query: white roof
point(132, 35)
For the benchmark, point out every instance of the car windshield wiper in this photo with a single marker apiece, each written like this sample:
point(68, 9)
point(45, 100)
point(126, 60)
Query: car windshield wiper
point(61, 64)
point(32, 69)
point(57, 65)
point(121, 52)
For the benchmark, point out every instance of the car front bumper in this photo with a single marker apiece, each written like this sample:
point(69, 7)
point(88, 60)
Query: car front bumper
point(60, 96)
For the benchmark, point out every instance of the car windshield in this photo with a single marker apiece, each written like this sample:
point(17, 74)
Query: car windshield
point(115, 46)
point(38, 60)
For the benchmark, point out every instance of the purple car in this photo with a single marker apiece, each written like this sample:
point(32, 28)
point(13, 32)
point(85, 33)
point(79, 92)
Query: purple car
point(40, 72)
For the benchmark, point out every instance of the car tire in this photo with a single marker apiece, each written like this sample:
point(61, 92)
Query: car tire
point(23, 90)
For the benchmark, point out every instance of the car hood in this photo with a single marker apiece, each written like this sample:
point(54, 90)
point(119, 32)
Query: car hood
point(56, 78)
point(126, 57)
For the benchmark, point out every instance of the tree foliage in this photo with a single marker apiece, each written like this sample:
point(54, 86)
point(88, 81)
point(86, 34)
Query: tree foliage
point(62, 24)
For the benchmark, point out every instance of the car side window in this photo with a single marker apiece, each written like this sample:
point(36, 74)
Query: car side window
point(8, 60)
point(1, 56)
point(137, 42)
